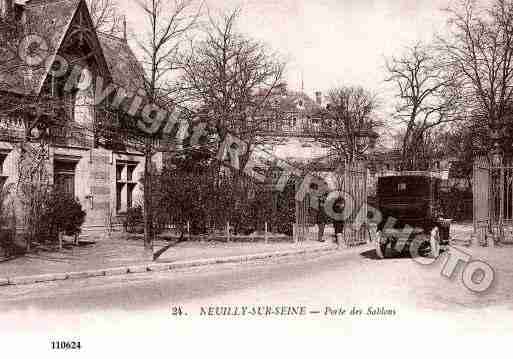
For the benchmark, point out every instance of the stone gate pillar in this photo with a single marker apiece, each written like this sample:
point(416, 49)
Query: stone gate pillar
point(481, 185)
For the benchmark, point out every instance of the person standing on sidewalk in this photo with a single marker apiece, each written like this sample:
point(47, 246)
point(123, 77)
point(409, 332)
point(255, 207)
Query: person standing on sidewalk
point(321, 219)
point(338, 224)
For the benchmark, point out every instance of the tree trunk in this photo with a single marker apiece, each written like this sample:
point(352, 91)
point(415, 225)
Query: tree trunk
point(148, 210)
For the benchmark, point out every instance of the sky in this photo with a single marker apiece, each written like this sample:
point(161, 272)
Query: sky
point(334, 42)
point(330, 43)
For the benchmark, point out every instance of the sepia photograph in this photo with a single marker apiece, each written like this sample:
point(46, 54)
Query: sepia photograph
point(248, 178)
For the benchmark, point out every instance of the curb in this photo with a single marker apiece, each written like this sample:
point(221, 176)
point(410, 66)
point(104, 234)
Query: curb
point(155, 267)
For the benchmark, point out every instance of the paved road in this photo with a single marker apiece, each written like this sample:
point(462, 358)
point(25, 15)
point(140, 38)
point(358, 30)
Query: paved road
point(326, 283)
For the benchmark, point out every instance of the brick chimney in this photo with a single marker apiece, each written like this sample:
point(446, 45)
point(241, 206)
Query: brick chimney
point(318, 97)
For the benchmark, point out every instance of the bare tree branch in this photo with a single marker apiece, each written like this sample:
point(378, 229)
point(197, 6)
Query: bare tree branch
point(479, 53)
point(351, 111)
point(106, 16)
point(169, 21)
point(426, 97)
point(231, 75)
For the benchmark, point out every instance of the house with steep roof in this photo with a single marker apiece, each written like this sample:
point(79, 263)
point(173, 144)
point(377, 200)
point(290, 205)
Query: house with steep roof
point(59, 81)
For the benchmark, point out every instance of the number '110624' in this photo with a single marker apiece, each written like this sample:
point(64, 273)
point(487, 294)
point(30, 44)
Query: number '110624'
point(65, 345)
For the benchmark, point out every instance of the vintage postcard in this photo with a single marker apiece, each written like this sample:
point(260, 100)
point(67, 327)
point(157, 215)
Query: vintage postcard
point(259, 177)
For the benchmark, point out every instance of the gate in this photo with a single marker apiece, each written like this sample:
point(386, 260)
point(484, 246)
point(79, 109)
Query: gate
point(481, 198)
point(301, 228)
point(355, 184)
point(352, 179)
point(493, 201)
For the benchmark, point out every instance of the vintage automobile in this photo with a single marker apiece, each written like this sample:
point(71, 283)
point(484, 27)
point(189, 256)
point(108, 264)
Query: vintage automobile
point(411, 219)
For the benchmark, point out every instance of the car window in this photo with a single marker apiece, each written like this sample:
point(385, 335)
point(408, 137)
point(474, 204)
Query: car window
point(403, 186)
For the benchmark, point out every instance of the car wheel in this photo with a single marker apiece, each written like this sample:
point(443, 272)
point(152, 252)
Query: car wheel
point(434, 242)
point(380, 246)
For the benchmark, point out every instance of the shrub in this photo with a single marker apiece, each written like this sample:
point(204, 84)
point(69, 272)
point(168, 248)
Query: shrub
point(134, 220)
point(457, 204)
point(7, 222)
point(62, 213)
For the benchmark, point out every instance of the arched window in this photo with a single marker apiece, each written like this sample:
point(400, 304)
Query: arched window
point(83, 110)
point(83, 103)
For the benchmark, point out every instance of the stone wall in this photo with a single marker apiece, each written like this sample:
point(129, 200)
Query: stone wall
point(95, 181)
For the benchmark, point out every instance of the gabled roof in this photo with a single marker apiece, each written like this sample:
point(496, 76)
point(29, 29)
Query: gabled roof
point(49, 19)
point(52, 19)
point(125, 69)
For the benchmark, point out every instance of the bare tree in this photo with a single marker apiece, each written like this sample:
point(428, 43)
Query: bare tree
point(33, 186)
point(426, 97)
point(349, 115)
point(231, 75)
point(168, 21)
point(479, 51)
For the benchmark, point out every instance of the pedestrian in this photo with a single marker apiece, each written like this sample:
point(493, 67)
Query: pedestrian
point(321, 218)
point(338, 223)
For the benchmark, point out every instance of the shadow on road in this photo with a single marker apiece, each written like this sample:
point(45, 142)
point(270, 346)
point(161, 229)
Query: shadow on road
point(371, 254)
point(161, 251)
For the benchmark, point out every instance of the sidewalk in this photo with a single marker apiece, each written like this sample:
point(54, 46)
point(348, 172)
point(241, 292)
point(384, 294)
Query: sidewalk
point(461, 233)
point(121, 256)
point(118, 255)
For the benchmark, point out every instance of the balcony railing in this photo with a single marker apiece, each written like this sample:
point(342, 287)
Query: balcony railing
point(110, 129)
point(288, 124)
point(11, 135)
point(71, 135)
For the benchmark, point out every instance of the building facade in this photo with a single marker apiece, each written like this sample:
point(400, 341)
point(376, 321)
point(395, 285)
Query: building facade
point(52, 112)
